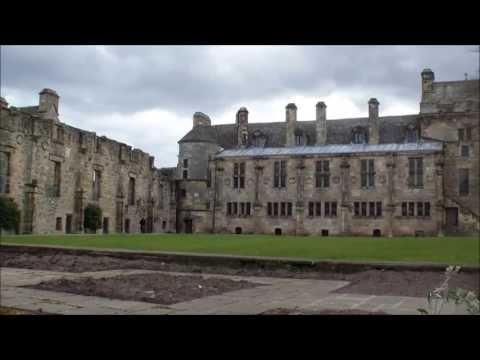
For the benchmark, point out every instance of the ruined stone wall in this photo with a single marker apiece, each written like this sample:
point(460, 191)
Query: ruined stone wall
point(35, 144)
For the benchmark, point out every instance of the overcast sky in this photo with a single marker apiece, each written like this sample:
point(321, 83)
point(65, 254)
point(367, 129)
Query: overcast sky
point(146, 95)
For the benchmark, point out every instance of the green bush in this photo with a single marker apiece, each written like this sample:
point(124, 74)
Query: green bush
point(92, 218)
point(9, 214)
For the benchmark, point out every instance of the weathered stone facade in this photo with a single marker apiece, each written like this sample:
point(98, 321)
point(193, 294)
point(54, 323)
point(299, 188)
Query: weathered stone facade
point(54, 171)
point(396, 175)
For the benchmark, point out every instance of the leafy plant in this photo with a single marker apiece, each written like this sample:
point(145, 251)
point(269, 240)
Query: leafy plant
point(443, 294)
point(92, 217)
point(9, 214)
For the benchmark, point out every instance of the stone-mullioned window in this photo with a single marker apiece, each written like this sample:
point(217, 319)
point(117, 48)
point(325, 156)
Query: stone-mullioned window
point(279, 209)
point(422, 209)
point(415, 172)
point(54, 190)
point(329, 208)
point(280, 174)
point(367, 167)
point(367, 209)
point(131, 191)
point(239, 175)
point(322, 174)
point(239, 209)
point(4, 172)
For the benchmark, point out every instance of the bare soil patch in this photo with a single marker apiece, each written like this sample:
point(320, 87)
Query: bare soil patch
point(370, 282)
point(161, 289)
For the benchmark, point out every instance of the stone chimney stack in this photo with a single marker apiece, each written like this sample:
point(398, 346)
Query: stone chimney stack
point(201, 119)
point(291, 118)
point(48, 104)
point(321, 123)
point(3, 103)
point(242, 127)
point(373, 122)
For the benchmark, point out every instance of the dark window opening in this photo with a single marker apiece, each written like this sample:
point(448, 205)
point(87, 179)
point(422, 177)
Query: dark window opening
point(185, 174)
point(367, 173)
point(334, 208)
point(164, 225)
point(310, 208)
point(371, 211)
point(283, 209)
point(58, 224)
point(461, 134)
point(4, 172)
point(427, 209)
point(463, 179)
point(269, 209)
point(183, 193)
point(324, 232)
point(57, 178)
point(465, 151)
point(248, 209)
point(127, 226)
point(289, 209)
point(278, 231)
point(364, 209)
point(280, 174)
point(131, 191)
point(419, 209)
point(238, 230)
point(235, 208)
point(105, 225)
point(326, 209)
point(356, 208)
point(318, 209)
point(322, 174)
point(377, 233)
point(96, 185)
point(185, 163)
point(98, 145)
point(242, 175)
point(469, 134)
point(419, 233)
point(411, 209)
point(404, 209)
point(275, 209)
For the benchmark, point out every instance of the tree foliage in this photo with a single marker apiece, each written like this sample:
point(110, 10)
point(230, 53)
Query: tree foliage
point(93, 217)
point(9, 214)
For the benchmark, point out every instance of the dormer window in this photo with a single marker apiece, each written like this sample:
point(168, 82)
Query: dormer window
point(244, 138)
point(258, 139)
point(411, 135)
point(299, 138)
point(359, 136)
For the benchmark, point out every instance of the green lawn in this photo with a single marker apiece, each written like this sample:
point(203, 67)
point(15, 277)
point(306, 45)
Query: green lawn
point(448, 250)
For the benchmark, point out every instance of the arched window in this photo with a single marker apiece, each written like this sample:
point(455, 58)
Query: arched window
point(411, 134)
point(359, 136)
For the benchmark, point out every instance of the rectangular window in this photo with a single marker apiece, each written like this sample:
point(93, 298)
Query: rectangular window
point(465, 151)
point(283, 209)
point(242, 175)
point(161, 196)
point(379, 208)
point(235, 208)
point(461, 134)
point(131, 191)
point(283, 173)
point(371, 209)
point(229, 208)
point(411, 209)
point(334, 208)
point(427, 209)
point(185, 174)
point(185, 163)
point(58, 224)
point(275, 209)
point(4, 172)
point(248, 209)
point(419, 209)
point(415, 171)
point(280, 174)
point(326, 210)
point(468, 134)
point(322, 174)
point(269, 209)
point(367, 173)
point(356, 207)
point(57, 178)
point(463, 181)
point(276, 174)
point(404, 209)
point(236, 175)
point(364, 209)
point(310, 208)
point(289, 209)
point(242, 208)
point(96, 185)
point(318, 209)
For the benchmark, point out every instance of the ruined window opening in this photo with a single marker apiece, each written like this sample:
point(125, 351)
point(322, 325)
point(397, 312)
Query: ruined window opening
point(127, 226)
point(379, 209)
point(242, 209)
point(377, 233)
point(404, 209)
point(269, 209)
point(427, 209)
point(164, 225)
point(278, 231)
point(356, 208)
point(419, 209)
point(57, 178)
point(238, 230)
point(334, 208)
point(318, 209)
point(185, 174)
point(185, 163)
point(280, 174)
point(364, 209)
point(324, 232)
point(131, 191)
point(96, 181)
point(239, 175)
point(415, 170)
point(367, 173)
point(411, 209)
point(310, 208)
point(58, 224)
point(322, 174)
point(463, 180)
point(229, 208)
point(235, 208)
point(461, 134)
point(326, 209)
point(183, 193)
point(465, 151)
point(283, 209)
point(161, 196)
point(248, 209)
point(371, 211)
point(275, 209)
point(4, 173)
point(289, 209)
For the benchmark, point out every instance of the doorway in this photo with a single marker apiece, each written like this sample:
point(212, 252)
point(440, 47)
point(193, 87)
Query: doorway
point(68, 224)
point(127, 226)
point(278, 231)
point(188, 226)
point(377, 233)
point(451, 218)
point(238, 230)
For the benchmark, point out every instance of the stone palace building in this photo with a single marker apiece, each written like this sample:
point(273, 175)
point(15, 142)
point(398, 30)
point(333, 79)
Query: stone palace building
point(384, 176)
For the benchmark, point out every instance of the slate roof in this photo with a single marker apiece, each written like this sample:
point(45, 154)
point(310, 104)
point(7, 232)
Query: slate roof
point(392, 130)
point(421, 147)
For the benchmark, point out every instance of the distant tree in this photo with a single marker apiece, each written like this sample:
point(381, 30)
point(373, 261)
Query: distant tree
point(9, 214)
point(93, 217)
